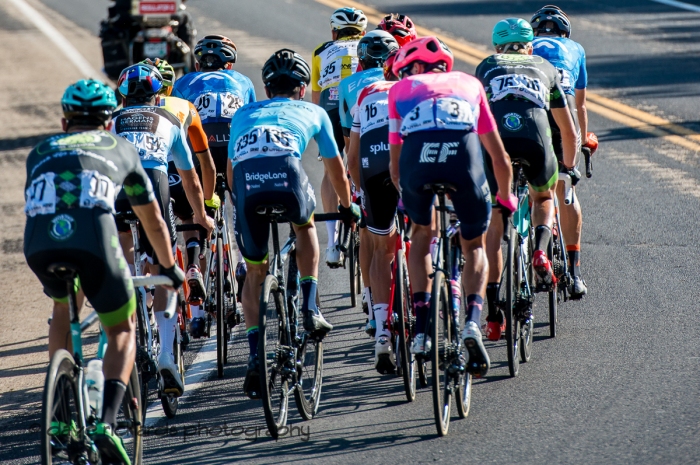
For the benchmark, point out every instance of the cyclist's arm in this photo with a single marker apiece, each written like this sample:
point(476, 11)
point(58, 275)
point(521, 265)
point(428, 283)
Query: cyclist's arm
point(353, 152)
point(582, 112)
point(336, 173)
point(394, 155)
point(568, 134)
point(229, 174)
point(315, 75)
point(395, 139)
point(200, 144)
point(500, 160)
point(156, 231)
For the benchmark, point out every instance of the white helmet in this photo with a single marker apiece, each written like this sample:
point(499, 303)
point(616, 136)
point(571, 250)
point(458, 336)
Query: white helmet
point(348, 17)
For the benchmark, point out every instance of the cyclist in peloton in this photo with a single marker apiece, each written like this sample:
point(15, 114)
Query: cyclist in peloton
point(157, 134)
point(400, 26)
point(437, 118)
point(267, 141)
point(522, 88)
point(186, 112)
point(218, 92)
point(72, 179)
point(552, 42)
point(372, 52)
point(368, 161)
point(332, 62)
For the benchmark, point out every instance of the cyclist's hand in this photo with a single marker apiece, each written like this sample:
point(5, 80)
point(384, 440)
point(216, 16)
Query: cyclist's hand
point(214, 202)
point(575, 175)
point(591, 142)
point(175, 274)
point(206, 222)
point(509, 205)
point(351, 214)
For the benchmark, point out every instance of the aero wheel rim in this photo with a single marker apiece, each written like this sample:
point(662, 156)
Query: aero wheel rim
point(61, 432)
point(311, 371)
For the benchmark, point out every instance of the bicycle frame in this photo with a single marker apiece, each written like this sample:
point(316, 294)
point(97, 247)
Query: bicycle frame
point(139, 265)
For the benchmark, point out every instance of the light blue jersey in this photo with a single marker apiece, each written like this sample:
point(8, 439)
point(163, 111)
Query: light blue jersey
point(280, 127)
point(216, 94)
point(568, 57)
point(350, 87)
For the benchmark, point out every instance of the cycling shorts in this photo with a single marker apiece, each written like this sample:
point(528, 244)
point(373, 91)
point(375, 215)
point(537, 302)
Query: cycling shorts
point(161, 189)
point(90, 243)
point(450, 157)
point(180, 203)
point(525, 133)
point(380, 198)
point(219, 135)
point(268, 181)
point(556, 134)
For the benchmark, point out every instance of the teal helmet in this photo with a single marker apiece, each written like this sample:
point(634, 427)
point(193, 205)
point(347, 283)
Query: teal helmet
point(88, 98)
point(511, 31)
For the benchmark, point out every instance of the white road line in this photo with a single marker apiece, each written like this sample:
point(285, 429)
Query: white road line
point(681, 5)
point(58, 39)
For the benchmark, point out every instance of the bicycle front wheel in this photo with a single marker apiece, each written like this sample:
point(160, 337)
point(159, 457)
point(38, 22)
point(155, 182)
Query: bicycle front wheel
point(403, 306)
point(511, 282)
point(220, 308)
point(273, 354)
point(353, 254)
point(553, 299)
point(440, 334)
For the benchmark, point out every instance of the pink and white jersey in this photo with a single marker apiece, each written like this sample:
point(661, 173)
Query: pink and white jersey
point(372, 108)
point(436, 102)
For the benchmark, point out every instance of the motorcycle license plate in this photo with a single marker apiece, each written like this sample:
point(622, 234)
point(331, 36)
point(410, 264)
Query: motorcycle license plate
point(155, 49)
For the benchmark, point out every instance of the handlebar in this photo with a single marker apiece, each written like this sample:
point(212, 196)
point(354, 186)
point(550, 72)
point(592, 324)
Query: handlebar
point(568, 189)
point(589, 163)
point(148, 281)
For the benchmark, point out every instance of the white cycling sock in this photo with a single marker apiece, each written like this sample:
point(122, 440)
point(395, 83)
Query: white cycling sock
point(166, 329)
point(331, 227)
point(381, 314)
point(367, 298)
point(196, 311)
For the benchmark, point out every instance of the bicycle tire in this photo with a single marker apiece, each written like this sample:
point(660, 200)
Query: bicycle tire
point(274, 387)
point(358, 270)
point(527, 327)
point(219, 297)
point(512, 284)
point(403, 306)
point(440, 332)
point(143, 362)
point(170, 403)
point(131, 410)
point(553, 297)
point(353, 268)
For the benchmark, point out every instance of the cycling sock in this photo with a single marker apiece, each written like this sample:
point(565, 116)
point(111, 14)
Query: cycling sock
point(114, 391)
point(381, 316)
point(331, 227)
point(574, 252)
point(196, 311)
point(253, 334)
point(308, 291)
point(492, 298)
point(421, 306)
point(367, 299)
point(192, 251)
point(166, 329)
point(542, 236)
point(474, 304)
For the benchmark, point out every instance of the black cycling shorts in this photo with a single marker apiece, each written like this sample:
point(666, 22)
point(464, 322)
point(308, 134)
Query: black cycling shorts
point(525, 131)
point(449, 157)
point(181, 205)
point(556, 134)
point(380, 198)
point(268, 181)
point(161, 188)
point(218, 135)
point(88, 240)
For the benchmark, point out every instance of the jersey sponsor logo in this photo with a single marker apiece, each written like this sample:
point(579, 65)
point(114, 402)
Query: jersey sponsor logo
point(380, 147)
point(174, 179)
point(85, 138)
point(220, 138)
point(512, 122)
point(262, 177)
point(62, 227)
point(365, 162)
point(439, 151)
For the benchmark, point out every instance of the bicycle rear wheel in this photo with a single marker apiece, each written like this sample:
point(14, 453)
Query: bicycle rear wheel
point(403, 307)
point(352, 255)
point(273, 351)
point(525, 299)
point(220, 308)
point(129, 422)
point(511, 283)
point(553, 298)
point(441, 335)
point(146, 368)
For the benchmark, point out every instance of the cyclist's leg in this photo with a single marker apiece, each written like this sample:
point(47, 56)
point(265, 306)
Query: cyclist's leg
point(328, 196)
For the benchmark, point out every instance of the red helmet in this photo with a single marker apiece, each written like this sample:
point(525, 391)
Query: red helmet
point(399, 26)
point(388, 65)
point(428, 50)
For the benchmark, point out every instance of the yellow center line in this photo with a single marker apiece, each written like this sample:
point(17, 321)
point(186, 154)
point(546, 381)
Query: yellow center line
point(619, 112)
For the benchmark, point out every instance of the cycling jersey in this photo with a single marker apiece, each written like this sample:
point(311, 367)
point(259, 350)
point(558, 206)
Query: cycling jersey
point(72, 180)
point(156, 133)
point(332, 62)
point(189, 117)
point(349, 89)
point(438, 101)
point(279, 127)
point(568, 57)
point(217, 95)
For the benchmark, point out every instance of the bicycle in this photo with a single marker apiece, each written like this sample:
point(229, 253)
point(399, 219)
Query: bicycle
point(67, 417)
point(351, 260)
point(516, 290)
point(288, 355)
point(556, 251)
point(448, 372)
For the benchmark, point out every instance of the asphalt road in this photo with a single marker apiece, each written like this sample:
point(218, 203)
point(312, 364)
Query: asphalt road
point(620, 382)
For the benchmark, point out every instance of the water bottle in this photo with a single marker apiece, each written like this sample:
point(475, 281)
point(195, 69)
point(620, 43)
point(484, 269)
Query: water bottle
point(95, 381)
point(456, 297)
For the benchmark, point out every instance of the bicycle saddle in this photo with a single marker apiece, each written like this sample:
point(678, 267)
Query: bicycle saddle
point(126, 217)
point(63, 270)
point(271, 209)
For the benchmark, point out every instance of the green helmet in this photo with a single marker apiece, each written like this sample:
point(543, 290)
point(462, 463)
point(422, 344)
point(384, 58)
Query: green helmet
point(166, 70)
point(88, 98)
point(512, 31)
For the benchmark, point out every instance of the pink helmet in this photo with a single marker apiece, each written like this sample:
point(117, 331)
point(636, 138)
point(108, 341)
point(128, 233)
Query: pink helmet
point(428, 50)
point(399, 26)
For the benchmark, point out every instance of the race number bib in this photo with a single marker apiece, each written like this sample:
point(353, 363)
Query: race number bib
point(519, 85)
point(336, 58)
point(41, 196)
point(373, 115)
point(441, 113)
point(96, 190)
point(214, 105)
point(565, 77)
point(151, 147)
point(265, 140)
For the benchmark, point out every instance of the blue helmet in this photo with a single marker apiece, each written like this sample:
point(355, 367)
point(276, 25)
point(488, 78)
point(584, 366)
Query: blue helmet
point(140, 81)
point(89, 98)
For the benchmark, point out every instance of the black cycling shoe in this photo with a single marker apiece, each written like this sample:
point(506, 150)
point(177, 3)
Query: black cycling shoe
point(315, 324)
point(251, 385)
point(578, 288)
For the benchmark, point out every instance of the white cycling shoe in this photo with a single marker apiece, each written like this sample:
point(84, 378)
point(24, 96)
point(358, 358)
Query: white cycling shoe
point(479, 362)
point(384, 357)
point(421, 344)
point(334, 257)
point(169, 375)
point(196, 285)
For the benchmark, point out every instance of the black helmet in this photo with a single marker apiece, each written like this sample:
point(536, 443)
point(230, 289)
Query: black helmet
point(562, 24)
point(376, 46)
point(286, 63)
point(213, 51)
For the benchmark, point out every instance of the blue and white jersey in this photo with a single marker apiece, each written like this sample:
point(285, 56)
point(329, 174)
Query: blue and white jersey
point(216, 94)
point(280, 127)
point(568, 57)
point(350, 87)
